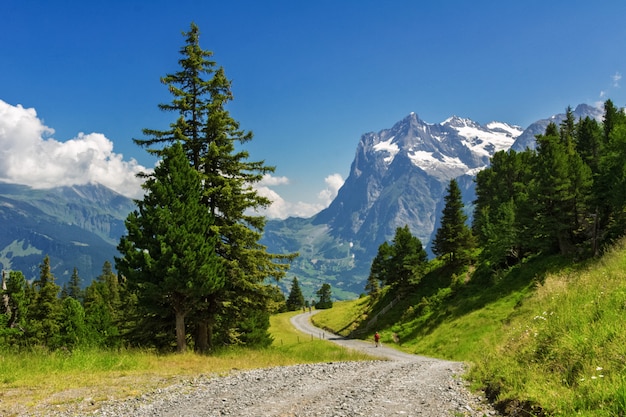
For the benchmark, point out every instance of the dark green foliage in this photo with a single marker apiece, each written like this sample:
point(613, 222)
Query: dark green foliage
point(254, 329)
point(73, 329)
point(44, 310)
point(408, 259)
point(500, 224)
point(454, 238)
point(295, 301)
point(73, 288)
point(379, 270)
point(566, 197)
point(169, 254)
point(209, 136)
point(277, 303)
point(325, 297)
point(14, 309)
point(399, 264)
point(563, 184)
point(103, 309)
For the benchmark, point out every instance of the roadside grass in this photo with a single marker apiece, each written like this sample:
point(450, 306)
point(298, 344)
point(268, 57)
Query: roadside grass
point(545, 336)
point(565, 348)
point(344, 317)
point(38, 380)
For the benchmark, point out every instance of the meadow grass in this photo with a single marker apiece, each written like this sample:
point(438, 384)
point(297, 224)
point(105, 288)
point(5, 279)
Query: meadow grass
point(39, 379)
point(546, 334)
point(565, 347)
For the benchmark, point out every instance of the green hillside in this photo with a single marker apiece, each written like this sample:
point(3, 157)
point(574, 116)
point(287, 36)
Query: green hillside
point(547, 336)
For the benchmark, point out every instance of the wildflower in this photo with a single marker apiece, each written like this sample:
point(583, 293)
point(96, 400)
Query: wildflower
point(594, 377)
point(599, 368)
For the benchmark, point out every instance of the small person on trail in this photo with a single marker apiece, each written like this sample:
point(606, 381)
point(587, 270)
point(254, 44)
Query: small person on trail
point(376, 339)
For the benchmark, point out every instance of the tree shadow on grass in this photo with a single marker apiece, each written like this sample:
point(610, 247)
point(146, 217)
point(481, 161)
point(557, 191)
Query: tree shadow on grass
point(440, 297)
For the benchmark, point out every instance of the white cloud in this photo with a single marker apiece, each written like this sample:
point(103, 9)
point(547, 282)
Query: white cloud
point(616, 79)
point(269, 181)
point(334, 183)
point(281, 208)
point(30, 156)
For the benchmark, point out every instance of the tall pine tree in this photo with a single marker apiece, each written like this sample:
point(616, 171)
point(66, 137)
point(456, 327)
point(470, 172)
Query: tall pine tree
point(44, 310)
point(295, 301)
point(209, 136)
point(168, 254)
point(454, 238)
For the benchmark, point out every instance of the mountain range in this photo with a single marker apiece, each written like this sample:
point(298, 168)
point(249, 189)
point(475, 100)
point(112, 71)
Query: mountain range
point(398, 177)
point(77, 227)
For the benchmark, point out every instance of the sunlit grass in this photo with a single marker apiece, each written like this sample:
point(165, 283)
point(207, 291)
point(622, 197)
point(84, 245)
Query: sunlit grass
point(566, 347)
point(344, 316)
point(547, 332)
point(38, 379)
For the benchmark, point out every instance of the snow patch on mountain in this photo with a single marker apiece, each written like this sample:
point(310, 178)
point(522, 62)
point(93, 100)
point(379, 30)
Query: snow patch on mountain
point(387, 146)
point(433, 163)
point(445, 150)
point(484, 140)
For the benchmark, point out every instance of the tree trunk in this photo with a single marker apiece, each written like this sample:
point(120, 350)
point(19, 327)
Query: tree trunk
point(181, 340)
point(202, 337)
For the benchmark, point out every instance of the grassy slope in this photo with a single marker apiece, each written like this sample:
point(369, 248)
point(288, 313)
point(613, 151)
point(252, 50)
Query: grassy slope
point(41, 381)
point(545, 335)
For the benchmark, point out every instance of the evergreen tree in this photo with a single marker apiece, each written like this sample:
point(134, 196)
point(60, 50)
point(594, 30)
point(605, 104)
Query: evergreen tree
point(44, 310)
point(372, 286)
point(100, 323)
point(103, 305)
point(278, 302)
point(168, 254)
point(453, 238)
point(563, 184)
point(17, 307)
point(500, 218)
point(612, 116)
point(324, 294)
point(612, 177)
point(73, 288)
point(209, 136)
point(295, 301)
point(73, 330)
point(379, 269)
point(407, 261)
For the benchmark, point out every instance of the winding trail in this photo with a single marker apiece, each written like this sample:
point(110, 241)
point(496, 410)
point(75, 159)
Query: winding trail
point(400, 385)
point(302, 322)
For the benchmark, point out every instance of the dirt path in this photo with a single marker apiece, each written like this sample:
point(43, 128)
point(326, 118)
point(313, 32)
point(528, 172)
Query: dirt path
point(401, 385)
point(302, 322)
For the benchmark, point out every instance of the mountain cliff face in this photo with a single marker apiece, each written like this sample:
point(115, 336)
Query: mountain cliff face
point(399, 177)
point(76, 226)
point(400, 174)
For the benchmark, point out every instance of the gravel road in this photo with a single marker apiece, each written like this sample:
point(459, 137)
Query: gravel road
point(399, 384)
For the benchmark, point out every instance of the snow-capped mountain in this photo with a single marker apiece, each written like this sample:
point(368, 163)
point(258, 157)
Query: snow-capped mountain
point(398, 177)
point(422, 157)
point(445, 150)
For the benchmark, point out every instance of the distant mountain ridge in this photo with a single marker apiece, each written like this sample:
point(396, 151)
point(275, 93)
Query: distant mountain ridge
point(76, 226)
point(527, 139)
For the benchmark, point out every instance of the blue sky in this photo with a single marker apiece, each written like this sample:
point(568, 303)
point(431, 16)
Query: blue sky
point(309, 77)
